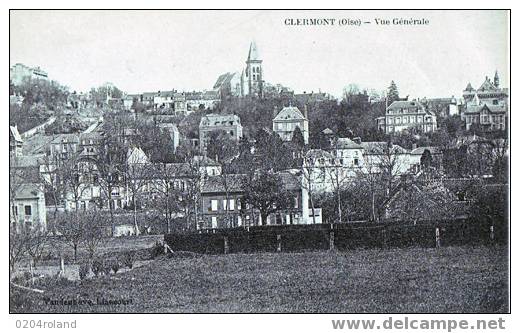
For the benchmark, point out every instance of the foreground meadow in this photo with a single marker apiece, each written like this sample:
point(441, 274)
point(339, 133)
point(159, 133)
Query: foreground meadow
point(451, 279)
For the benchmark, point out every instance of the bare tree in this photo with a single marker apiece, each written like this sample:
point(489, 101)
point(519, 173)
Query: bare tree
point(137, 179)
point(93, 232)
point(72, 228)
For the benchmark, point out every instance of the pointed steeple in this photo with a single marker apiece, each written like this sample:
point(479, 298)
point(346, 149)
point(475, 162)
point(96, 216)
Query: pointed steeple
point(253, 52)
point(469, 87)
point(496, 81)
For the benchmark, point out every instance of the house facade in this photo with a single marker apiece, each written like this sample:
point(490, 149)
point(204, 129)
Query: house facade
point(222, 123)
point(287, 120)
point(407, 115)
point(486, 107)
point(223, 208)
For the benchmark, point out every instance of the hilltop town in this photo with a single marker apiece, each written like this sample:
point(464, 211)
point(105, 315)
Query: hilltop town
point(191, 157)
point(131, 202)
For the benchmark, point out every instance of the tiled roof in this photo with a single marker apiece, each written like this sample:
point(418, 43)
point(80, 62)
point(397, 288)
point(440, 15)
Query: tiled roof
point(405, 105)
point(219, 120)
point(376, 148)
point(29, 191)
point(216, 184)
point(318, 153)
point(346, 143)
point(289, 113)
point(420, 150)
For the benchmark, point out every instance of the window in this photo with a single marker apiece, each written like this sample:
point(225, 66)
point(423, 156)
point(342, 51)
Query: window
point(398, 120)
point(214, 223)
point(295, 202)
point(495, 102)
point(214, 205)
point(390, 120)
point(224, 204)
point(231, 204)
point(405, 119)
point(28, 210)
point(356, 161)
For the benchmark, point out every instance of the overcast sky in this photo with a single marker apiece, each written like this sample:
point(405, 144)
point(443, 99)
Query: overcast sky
point(187, 50)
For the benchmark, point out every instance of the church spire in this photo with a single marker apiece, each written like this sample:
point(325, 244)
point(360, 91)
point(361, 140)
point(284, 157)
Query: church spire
point(253, 52)
point(496, 81)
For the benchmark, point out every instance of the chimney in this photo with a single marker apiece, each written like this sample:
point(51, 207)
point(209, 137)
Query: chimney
point(275, 112)
point(414, 146)
point(305, 113)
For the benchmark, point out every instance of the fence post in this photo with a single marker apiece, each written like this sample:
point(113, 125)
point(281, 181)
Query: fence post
point(331, 237)
point(226, 245)
point(278, 243)
point(62, 265)
point(491, 233)
point(437, 237)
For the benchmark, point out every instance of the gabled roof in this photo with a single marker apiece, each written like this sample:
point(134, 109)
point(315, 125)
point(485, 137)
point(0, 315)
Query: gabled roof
point(406, 105)
point(219, 120)
point(318, 153)
point(68, 138)
point(29, 191)
point(15, 134)
point(253, 52)
point(485, 107)
point(346, 143)
point(376, 148)
point(487, 86)
point(224, 79)
point(136, 155)
point(289, 113)
point(420, 150)
point(218, 184)
point(327, 131)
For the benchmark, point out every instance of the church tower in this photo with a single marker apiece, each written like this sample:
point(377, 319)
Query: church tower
point(253, 79)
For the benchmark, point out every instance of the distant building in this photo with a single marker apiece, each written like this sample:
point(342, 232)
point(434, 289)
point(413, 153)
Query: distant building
point(286, 121)
point(15, 142)
point(19, 72)
point(26, 194)
point(229, 84)
point(172, 131)
point(381, 156)
point(407, 115)
point(486, 107)
point(311, 98)
point(216, 206)
point(224, 123)
point(207, 100)
point(443, 107)
point(28, 207)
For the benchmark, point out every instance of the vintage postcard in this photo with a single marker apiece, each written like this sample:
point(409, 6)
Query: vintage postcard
point(260, 161)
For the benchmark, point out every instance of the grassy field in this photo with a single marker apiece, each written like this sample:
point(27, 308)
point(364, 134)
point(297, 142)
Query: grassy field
point(451, 279)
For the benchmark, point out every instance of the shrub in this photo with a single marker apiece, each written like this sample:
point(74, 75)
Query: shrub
point(115, 265)
point(97, 267)
point(129, 259)
point(83, 271)
point(157, 250)
point(107, 267)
